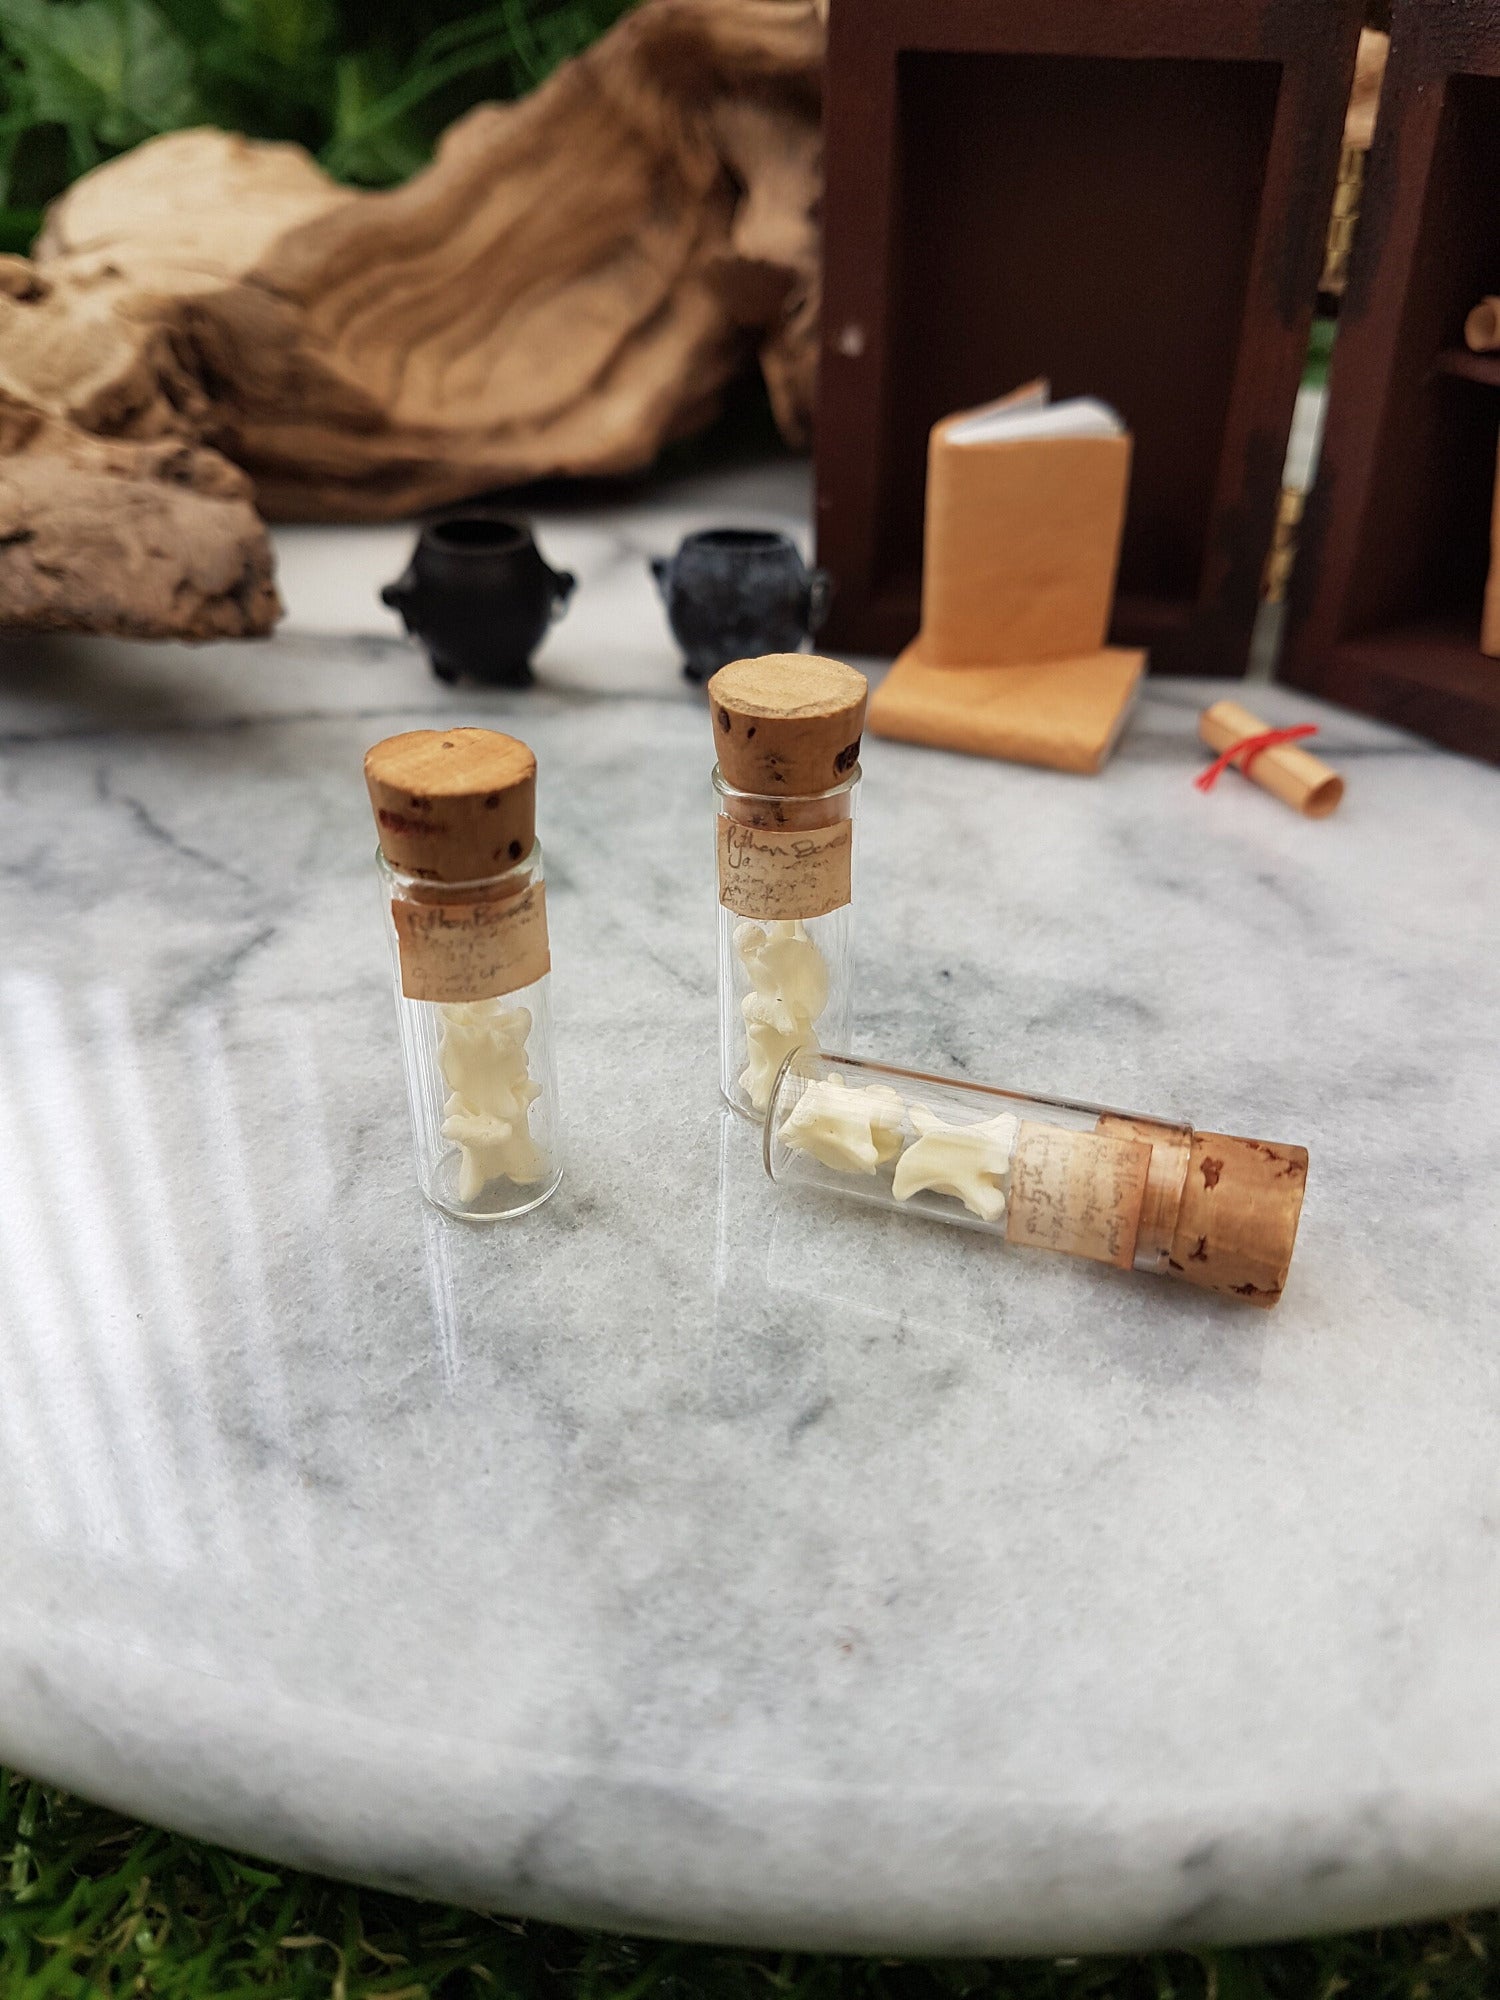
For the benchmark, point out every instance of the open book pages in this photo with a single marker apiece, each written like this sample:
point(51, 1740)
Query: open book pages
point(1032, 415)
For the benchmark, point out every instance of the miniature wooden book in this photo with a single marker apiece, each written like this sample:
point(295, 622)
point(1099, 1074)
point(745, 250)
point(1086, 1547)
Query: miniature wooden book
point(1025, 510)
point(1066, 714)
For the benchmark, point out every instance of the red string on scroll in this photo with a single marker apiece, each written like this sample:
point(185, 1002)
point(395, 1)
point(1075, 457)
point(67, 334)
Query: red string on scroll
point(1249, 748)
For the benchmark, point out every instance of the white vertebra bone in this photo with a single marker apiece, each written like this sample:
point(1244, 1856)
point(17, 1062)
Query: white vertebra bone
point(787, 972)
point(853, 1131)
point(969, 1162)
point(789, 982)
point(482, 1055)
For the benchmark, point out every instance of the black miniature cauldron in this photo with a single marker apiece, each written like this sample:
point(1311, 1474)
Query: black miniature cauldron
point(479, 597)
point(734, 593)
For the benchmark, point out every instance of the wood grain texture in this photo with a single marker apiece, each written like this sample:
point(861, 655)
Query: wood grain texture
point(571, 284)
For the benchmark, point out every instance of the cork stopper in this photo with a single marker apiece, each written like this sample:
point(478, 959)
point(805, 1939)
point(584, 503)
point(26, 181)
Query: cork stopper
point(1238, 1220)
point(787, 723)
point(453, 805)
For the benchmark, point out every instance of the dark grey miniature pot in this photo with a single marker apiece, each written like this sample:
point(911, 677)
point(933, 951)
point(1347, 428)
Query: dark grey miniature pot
point(479, 596)
point(734, 593)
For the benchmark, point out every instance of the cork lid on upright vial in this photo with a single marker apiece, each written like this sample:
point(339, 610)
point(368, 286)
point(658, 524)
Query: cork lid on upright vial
point(453, 805)
point(787, 724)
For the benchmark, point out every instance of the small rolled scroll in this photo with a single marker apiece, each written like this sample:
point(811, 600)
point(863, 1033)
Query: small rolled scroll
point(1482, 327)
point(1286, 769)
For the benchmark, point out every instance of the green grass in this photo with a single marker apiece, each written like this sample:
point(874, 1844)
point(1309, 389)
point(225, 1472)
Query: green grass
point(95, 1907)
point(1319, 352)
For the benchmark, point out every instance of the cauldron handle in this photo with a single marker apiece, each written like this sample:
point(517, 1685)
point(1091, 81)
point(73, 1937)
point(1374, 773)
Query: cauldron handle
point(563, 581)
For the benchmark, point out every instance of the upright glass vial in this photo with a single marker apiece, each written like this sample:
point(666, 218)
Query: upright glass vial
point(1042, 1173)
point(787, 729)
point(461, 874)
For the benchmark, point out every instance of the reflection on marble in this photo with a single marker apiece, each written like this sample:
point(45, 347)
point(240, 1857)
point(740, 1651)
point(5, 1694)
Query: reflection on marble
point(691, 1555)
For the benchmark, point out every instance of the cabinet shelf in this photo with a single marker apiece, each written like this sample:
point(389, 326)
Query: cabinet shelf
point(1129, 199)
point(1394, 555)
point(1458, 361)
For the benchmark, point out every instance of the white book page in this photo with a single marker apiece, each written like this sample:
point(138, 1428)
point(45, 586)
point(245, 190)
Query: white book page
point(1035, 417)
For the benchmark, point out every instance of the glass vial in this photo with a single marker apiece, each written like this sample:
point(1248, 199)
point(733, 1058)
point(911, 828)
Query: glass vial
point(787, 728)
point(1042, 1173)
point(466, 917)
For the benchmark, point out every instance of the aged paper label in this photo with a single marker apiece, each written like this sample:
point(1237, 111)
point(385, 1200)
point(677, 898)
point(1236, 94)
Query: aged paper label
point(472, 951)
point(775, 874)
point(1079, 1192)
point(1171, 1148)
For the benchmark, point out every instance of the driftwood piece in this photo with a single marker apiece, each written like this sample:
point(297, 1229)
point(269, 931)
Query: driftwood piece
point(570, 285)
point(92, 330)
point(155, 540)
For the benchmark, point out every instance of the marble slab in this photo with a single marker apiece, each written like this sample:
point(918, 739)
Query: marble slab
point(692, 1556)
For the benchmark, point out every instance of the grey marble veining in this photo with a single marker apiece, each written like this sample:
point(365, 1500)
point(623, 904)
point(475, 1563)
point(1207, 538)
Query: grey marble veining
point(693, 1556)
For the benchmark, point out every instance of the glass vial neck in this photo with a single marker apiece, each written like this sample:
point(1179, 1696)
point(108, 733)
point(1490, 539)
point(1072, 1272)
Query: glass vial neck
point(426, 888)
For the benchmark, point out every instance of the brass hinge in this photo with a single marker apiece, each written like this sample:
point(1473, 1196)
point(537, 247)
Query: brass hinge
point(1283, 550)
point(1341, 223)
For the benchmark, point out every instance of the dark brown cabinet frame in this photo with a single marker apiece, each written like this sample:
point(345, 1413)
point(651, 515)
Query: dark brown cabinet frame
point(1394, 549)
point(1129, 196)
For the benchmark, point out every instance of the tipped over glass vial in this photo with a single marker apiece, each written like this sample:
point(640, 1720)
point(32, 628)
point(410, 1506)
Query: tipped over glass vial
point(466, 918)
point(787, 730)
point(1042, 1173)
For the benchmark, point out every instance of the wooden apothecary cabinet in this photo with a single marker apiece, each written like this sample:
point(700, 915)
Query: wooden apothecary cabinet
point(1395, 544)
point(1129, 196)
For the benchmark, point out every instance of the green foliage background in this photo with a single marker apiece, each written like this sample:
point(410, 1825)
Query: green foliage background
point(366, 85)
